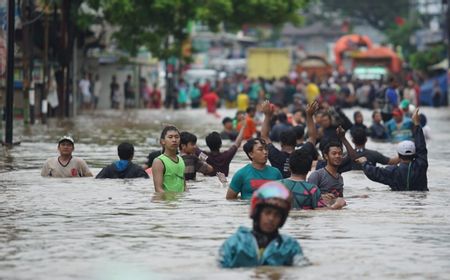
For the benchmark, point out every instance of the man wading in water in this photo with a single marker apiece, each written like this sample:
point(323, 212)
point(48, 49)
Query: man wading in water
point(263, 244)
point(168, 168)
point(65, 165)
point(411, 173)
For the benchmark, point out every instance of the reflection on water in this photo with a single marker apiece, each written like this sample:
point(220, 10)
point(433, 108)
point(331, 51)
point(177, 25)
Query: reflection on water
point(120, 229)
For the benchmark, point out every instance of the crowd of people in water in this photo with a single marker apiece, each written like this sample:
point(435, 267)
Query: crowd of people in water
point(296, 158)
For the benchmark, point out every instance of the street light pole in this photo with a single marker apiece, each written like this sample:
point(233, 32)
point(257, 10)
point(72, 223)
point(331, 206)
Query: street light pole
point(10, 76)
point(447, 26)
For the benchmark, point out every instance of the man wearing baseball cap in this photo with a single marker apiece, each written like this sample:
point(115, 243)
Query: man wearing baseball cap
point(411, 173)
point(65, 165)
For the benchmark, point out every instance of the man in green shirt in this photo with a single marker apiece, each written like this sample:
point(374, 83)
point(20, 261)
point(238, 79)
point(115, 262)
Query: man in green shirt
point(168, 168)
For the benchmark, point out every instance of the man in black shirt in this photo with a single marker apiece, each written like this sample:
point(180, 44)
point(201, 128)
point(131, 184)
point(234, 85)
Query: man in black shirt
point(280, 158)
point(411, 173)
point(123, 168)
point(359, 138)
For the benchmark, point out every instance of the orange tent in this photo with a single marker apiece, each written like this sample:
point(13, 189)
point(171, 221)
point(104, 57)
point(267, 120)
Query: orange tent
point(382, 53)
point(348, 43)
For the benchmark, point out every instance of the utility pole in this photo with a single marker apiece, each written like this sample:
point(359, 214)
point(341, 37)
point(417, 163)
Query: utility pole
point(26, 45)
point(447, 26)
point(44, 108)
point(10, 76)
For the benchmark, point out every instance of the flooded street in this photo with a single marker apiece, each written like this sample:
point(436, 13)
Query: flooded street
point(119, 229)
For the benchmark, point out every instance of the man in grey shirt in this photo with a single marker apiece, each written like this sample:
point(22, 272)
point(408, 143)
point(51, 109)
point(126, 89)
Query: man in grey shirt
point(328, 179)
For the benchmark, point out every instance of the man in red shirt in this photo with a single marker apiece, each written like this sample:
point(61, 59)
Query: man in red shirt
point(250, 130)
point(211, 100)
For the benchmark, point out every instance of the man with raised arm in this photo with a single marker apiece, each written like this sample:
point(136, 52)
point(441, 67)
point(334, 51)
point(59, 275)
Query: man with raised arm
point(411, 173)
point(280, 158)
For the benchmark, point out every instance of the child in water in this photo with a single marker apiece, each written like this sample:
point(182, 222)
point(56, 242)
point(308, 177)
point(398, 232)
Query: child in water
point(264, 245)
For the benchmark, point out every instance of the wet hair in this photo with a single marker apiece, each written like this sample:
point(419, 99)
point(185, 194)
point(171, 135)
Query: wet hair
point(151, 157)
point(125, 151)
point(374, 113)
point(299, 131)
point(187, 137)
point(327, 147)
point(288, 138)
point(359, 136)
point(251, 110)
point(282, 117)
point(167, 129)
point(356, 113)
point(328, 115)
point(302, 112)
point(240, 113)
point(300, 162)
point(248, 146)
point(408, 157)
point(213, 141)
point(226, 120)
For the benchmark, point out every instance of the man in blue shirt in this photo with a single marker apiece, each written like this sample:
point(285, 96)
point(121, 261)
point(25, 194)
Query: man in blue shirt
point(263, 244)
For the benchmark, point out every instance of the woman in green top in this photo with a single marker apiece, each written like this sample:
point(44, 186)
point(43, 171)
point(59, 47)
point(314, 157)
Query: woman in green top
point(168, 168)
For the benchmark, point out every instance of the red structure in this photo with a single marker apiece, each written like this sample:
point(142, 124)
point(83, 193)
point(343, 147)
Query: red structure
point(381, 56)
point(350, 43)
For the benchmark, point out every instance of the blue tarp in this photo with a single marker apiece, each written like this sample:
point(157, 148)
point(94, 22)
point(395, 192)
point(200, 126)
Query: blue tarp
point(426, 90)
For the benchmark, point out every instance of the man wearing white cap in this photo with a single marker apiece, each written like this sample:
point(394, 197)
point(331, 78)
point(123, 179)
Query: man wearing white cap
point(65, 165)
point(411, 173)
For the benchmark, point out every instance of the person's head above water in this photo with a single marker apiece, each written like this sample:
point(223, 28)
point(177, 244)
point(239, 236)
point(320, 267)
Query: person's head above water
point(256, 150)
point(170, 138)
point(213, 141)
point(406, 150)
point(66, 146)
point(66, 138)
point(269, 207)
point(332, 153)
point(125, 151)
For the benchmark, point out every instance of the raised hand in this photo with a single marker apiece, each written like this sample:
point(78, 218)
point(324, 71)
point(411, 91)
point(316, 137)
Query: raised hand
point(267, 108)
point(415, 117)
point(312, 108)
point(340, 132)
point(361, 160)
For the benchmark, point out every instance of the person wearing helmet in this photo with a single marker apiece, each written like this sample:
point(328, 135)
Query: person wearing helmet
point(263, 244)
point(65, 165)
point(411, 173)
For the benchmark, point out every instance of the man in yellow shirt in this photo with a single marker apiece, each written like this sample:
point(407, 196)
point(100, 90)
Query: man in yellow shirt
point(242, 101)
point(312, 92)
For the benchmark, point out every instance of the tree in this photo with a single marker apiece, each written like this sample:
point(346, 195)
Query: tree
point(424, 59)
point(400, 36)
point(380, 14)
point(161, 25)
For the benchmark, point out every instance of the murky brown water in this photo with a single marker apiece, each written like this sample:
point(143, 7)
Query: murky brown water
point(113, 229)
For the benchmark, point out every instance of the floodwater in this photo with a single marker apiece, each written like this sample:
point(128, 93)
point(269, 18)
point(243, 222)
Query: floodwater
point(84, 228)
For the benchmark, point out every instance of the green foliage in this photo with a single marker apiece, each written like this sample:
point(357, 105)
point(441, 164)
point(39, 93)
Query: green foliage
point(161, 25)
point(423, 60)
point(380, 14)
point(273, 12)
point(400, 36)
